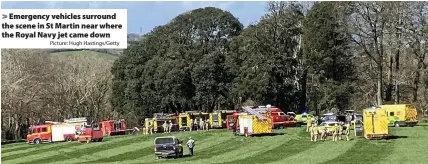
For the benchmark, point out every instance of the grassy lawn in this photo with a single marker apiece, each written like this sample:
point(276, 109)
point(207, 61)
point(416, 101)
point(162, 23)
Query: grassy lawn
point(219, 146)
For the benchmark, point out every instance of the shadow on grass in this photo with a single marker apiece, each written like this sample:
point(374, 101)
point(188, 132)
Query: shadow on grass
point(268, 134)
point(172, 158)
point(396, 137)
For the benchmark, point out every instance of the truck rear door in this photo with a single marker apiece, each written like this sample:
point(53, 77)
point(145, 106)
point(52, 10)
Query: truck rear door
point(410, 113)
point(380, 122)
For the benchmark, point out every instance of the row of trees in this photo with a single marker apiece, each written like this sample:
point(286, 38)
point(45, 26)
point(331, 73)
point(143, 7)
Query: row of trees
point(342, 55)
point(330, 55)
point(38, 86)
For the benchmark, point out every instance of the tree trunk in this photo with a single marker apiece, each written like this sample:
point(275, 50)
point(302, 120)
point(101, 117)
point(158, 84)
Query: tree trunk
point(302, 100)
point(389, 87)
point(379, 85)
point(397, 68)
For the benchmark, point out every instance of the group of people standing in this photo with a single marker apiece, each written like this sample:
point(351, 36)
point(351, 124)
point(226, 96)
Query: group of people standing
point(200, 124)
point(321, 132)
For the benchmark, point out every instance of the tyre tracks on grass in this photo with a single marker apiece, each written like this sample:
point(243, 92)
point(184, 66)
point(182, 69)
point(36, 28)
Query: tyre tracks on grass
point(108, 150)
point(129, 156)
point(15, 147)
point(294, 146)
point(318, 152)
point(251, 148)
point(5, 151)
point(409, 146)
point(38, 149)
point(81, 149)
point(365, 151)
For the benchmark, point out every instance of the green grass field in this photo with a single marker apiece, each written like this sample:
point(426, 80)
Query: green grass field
point(220, 146)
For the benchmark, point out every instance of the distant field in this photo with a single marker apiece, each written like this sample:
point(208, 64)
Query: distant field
point(219, 146)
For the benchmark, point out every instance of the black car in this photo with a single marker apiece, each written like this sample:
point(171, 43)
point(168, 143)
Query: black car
point(168, 146)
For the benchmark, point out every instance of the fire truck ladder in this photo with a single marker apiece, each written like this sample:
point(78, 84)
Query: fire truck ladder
point(253, 112)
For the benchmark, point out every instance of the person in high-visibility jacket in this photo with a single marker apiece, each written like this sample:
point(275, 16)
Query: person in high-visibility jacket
point(308, 124)
point(191, 124)
point(315, 133)
point(311, 132)
point(150, 128)
point(340, 132)
point(165, 127)
point(170, 126)
point(347, 130)
point(201, 124)
point(335, 132)
point(322, 131)
point(207, 124)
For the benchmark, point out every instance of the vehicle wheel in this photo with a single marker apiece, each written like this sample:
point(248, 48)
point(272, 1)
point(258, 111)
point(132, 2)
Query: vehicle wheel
point(246, 134)
point(396, 124)
point(68, 139)
point(37, 141)
point(100, 140)
point(281, 127)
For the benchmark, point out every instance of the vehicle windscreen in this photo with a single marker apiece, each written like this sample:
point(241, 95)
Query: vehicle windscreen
point(215, 116)
point(330, 118)
point(30, 131)
point(164, 141)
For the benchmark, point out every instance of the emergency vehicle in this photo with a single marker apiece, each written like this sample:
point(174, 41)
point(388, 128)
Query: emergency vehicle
point(196, 116)
point(183, 121)
point(401, 114)
point(279, 119)
point(375, 123)
point(218, 119)
point(113, 127)
point(91, 133)
point(79, 123)
point(231, 118)
point(160, 118)
point(255, 123)
point(304, 117)
point(51, 132)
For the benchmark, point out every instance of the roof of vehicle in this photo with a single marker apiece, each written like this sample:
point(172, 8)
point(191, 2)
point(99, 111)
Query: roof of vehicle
point(328, 114)
point(39, 126)
point(167, 137)
point(330, 122)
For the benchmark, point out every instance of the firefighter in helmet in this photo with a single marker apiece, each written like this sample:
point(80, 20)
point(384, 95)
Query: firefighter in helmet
point(202, 124)
point(165, 127)
point(347, 130)
point(150, 128)
point(315, 133)
point(335, 132)
point(191, 125)
point(322, 132)
point(340, 131)
point(308, 124)
point(311, 132)
point(207, 124)
point(170, 126)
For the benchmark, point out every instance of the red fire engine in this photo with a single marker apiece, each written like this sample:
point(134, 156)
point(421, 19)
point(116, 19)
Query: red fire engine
point(113, 127)
point(279, 118)
point(51, 132)
point(91, 133)
point(234, 117)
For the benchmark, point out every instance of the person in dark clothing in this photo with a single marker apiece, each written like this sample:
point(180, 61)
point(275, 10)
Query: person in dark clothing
point(234, 127)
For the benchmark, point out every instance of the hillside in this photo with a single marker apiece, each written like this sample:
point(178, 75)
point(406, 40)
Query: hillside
point(219, 146)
